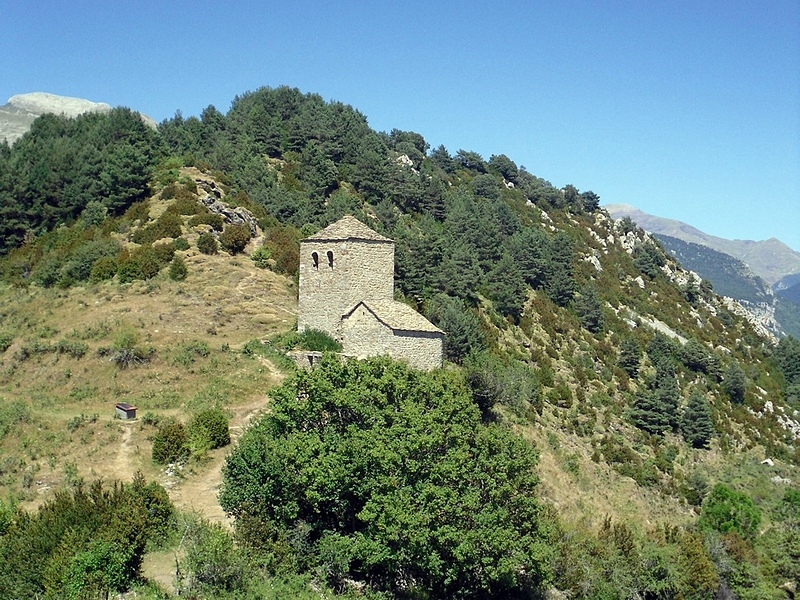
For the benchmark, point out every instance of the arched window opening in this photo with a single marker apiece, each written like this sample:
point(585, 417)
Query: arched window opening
point(315, 260)
point(330, 258)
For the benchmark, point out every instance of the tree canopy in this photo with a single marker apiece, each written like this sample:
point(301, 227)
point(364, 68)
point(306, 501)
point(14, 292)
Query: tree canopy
point(62, 165)
point(390, 477)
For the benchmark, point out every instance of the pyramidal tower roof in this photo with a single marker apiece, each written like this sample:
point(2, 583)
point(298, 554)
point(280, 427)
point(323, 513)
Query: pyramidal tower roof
point(348, 228)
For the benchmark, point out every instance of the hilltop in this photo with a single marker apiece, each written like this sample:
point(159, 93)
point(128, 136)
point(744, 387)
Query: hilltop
point(171, 286)
point(759, 275)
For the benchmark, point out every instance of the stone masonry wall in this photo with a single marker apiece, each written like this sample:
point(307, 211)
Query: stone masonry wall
point(420, 349)
point(361, 270)
point(364, 335)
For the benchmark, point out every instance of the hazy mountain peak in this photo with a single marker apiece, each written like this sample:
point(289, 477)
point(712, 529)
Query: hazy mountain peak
point(21, 110)
point(772, 260)
point(40, 103)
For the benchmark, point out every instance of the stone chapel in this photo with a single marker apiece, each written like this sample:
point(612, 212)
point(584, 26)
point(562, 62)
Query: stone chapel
point(347, 291)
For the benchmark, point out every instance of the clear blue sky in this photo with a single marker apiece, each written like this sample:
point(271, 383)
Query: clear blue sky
point(686, 109)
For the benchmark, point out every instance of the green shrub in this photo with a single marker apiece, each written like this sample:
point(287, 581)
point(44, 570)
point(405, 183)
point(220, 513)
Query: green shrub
point(48, 270)
point(81, 420)
point(492, 381)
point(261, 257)
point(168, 225)
point(94, 213)
point(126, 351)
point(189, 351)
point(6, 339)
point(213, 563)
point(369, 439)
point(560, 395)
point(171, 442)
point(210, 427)
point(206, 243)
point(12, 414)
point(284, 246)
point(169, 171)
point(695, 488)
point(169, 191)
point(726, 510)
point(189, 184)
point(78, 266)
point(234, 238)
point(317, 341)
point(140, 211)
point(73, 348)
point(143, 263)
point(185, 204)
point(148, 261)
point(103, 269)
point(177, 269)
point(207, 218)
point(164, 252)
point(258, 348)
point(150, 419)
point(89, 541)
point(129, 271)
point(180, 243)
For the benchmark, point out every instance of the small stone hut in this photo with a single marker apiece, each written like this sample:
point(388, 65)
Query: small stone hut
point(347, 291)
point(125, 411)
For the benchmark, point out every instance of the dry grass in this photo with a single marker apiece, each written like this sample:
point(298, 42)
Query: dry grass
point(70, 431)
point(584, 492)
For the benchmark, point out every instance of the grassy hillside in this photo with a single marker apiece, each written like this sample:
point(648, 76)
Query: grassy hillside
point(59, 384)
point(644, 393)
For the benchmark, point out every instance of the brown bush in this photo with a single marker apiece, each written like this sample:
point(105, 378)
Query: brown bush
point(234, 238)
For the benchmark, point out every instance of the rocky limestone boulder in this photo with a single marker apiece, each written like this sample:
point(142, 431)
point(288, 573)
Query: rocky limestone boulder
point(231, 214)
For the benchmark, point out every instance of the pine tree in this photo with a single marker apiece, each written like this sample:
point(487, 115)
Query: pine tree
point(462, 327)
point(560, 283)
point(589, 309)
point(668, 395)
point(177, 269)
point(459, 273)
point(647, 413)
point(507, 288)
point(630, 355)
point(734, 383)
point(661, 349)
point(696, 425)
point(656, 409)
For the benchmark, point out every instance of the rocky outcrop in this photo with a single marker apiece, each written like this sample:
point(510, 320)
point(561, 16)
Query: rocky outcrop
point(760, 315)
point(231, 214)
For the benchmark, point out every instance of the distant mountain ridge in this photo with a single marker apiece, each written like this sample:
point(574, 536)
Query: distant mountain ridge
point(772, 260)
point(730, 276)
point(17, 115)
point(763, 276)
